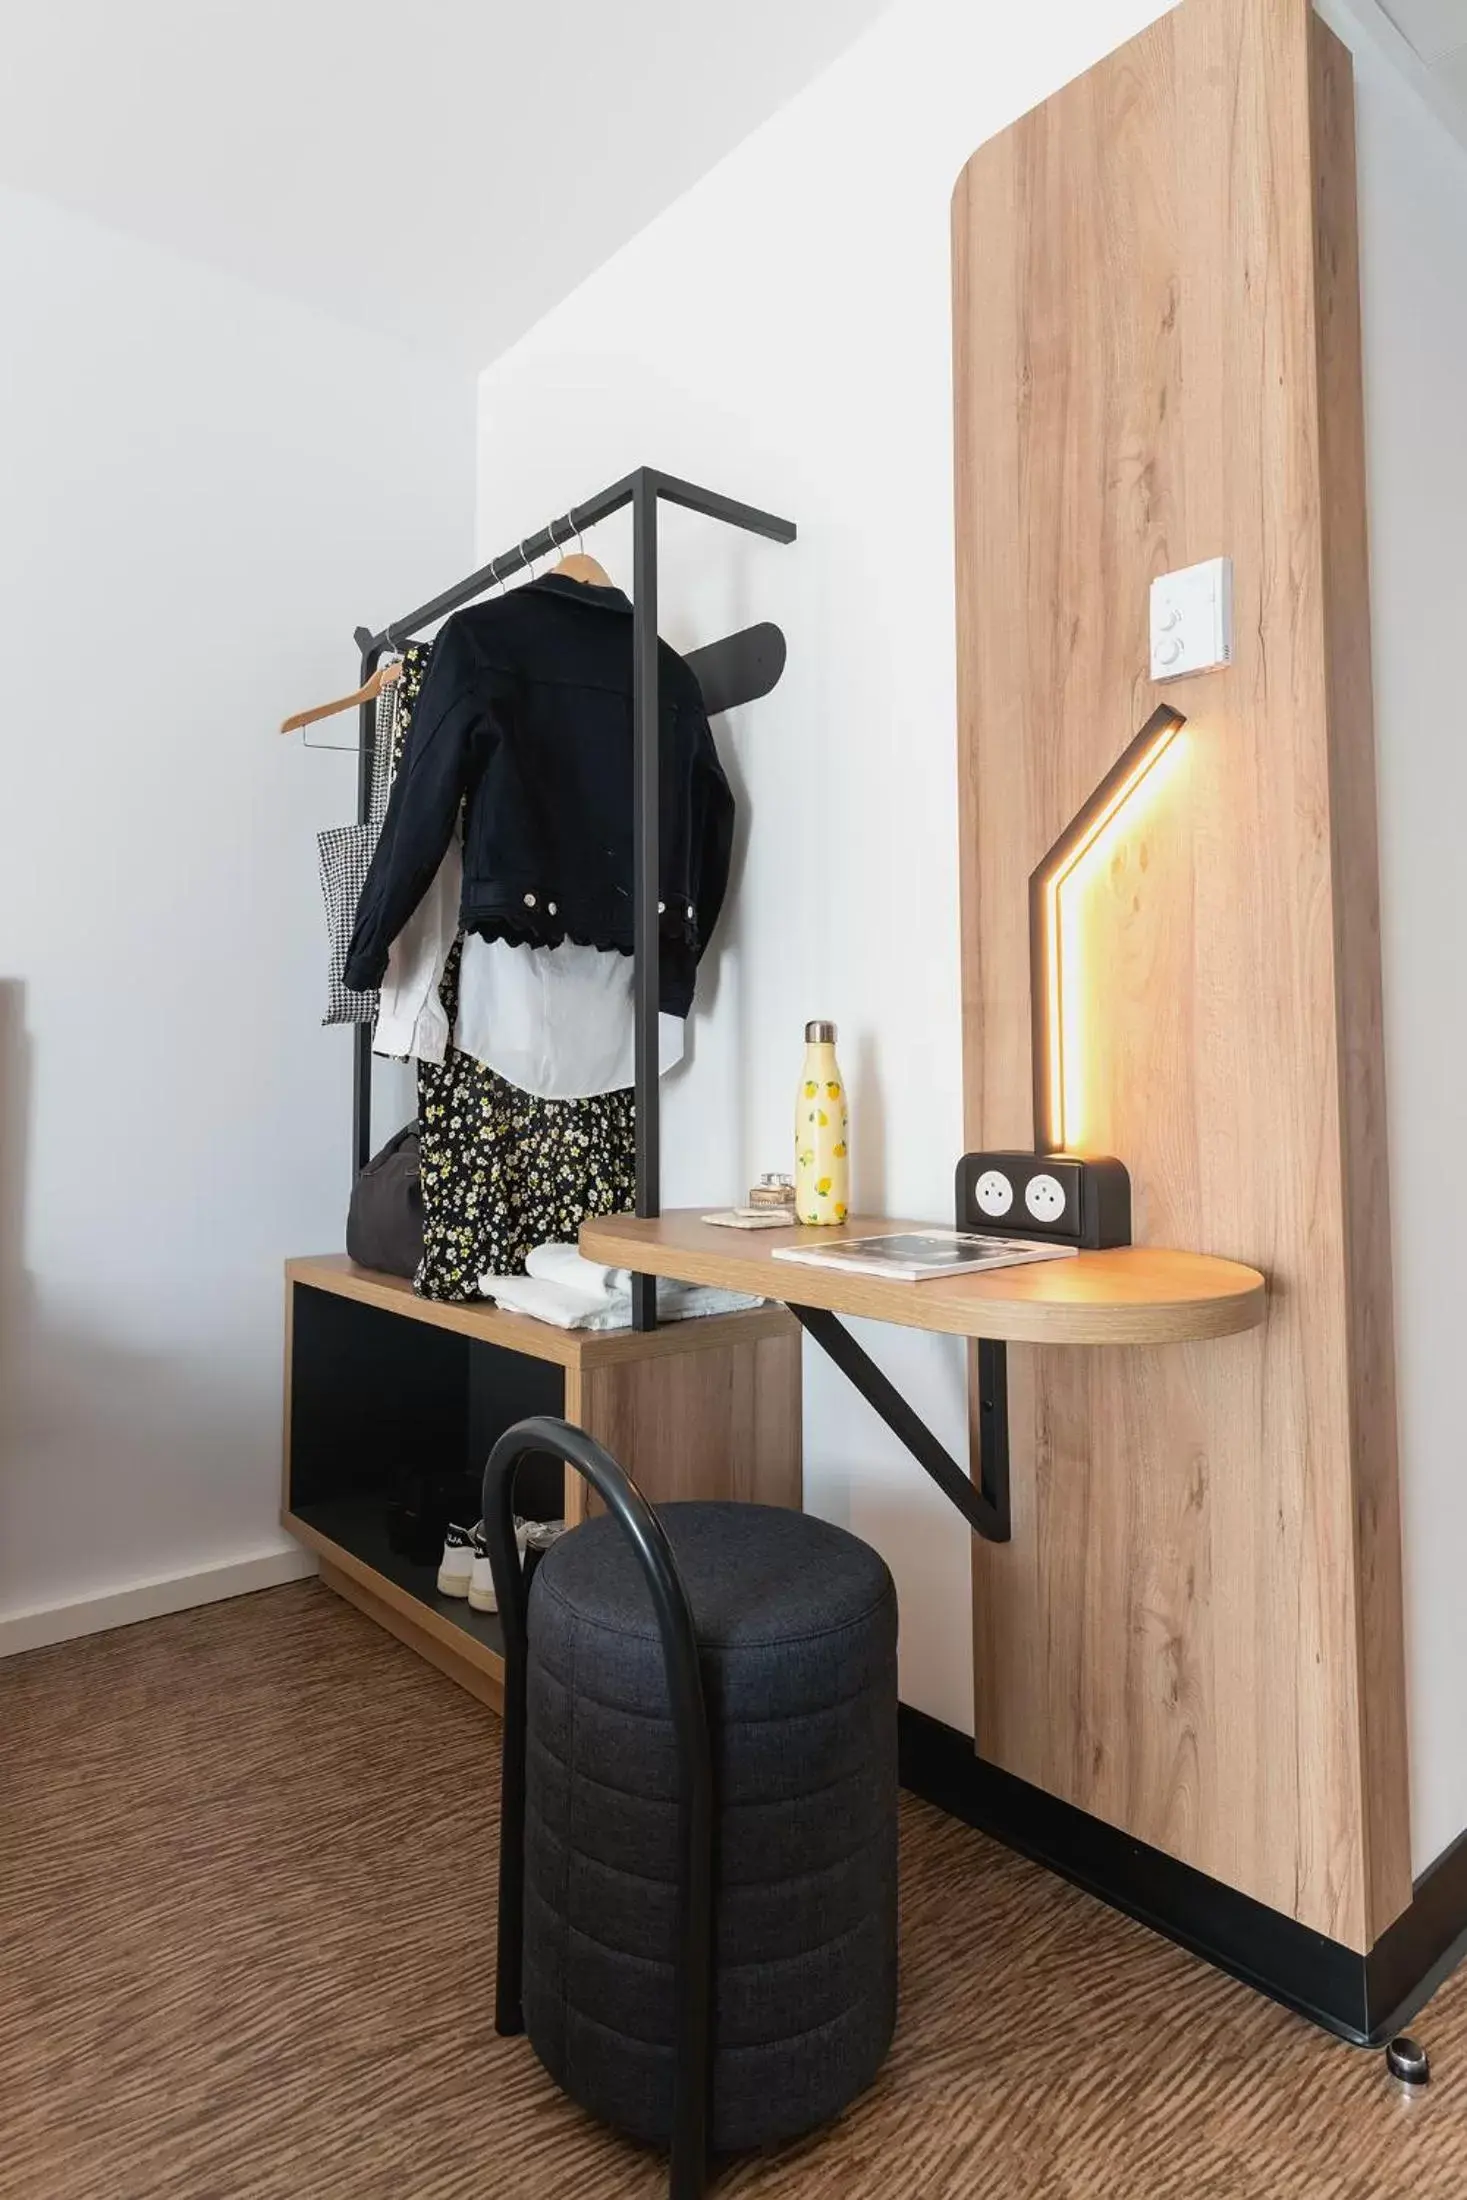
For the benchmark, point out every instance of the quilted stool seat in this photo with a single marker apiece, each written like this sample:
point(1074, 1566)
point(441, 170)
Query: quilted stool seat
point(796, 1624)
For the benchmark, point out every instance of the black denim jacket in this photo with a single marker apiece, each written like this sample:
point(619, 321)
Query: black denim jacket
point(525, 717)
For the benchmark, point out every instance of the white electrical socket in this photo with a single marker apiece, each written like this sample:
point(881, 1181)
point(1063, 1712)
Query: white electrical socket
point(1192, 619)
point(994, 1193)
point(1044, 1196)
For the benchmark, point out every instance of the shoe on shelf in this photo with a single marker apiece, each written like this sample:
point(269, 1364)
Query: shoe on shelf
point(481, 1584)
point(541, 1534)
point(456, 1567)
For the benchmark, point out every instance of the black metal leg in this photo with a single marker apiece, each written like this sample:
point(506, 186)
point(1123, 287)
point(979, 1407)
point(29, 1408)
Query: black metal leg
point(993, 1435)
point(693, 2065)
point(361, 1099)
point(647, 963)
point(361, 1082)
point(985, 1506)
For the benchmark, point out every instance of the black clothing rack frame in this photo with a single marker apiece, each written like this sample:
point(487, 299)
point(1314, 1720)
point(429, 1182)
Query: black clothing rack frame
point(739, 669)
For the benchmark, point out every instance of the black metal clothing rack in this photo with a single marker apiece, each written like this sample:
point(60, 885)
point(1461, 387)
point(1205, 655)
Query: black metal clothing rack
point(738, 669)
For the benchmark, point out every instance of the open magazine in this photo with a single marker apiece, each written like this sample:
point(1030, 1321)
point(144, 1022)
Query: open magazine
point(914, 1256)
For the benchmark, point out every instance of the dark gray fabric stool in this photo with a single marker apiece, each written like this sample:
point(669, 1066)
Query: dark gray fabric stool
point(796, 1624)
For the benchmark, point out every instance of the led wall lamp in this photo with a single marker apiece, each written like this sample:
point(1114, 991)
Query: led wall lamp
point(1072, 1199)
point(1053, 1009)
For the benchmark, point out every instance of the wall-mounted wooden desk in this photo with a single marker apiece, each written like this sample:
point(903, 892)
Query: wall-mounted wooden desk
point(1139, 1294)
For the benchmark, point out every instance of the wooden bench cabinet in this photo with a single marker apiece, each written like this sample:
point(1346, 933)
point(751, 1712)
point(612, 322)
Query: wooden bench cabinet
point(379, 1382)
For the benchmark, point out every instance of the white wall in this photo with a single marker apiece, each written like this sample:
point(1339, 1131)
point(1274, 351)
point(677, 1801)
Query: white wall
point(1413, 212)
point(782, 333)
point(202, 491)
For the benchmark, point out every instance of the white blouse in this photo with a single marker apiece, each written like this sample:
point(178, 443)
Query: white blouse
point(554, 1021)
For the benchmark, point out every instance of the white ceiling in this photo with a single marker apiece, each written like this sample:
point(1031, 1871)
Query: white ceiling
point(1437, 30)
point(1434, 27)
point(484, 155)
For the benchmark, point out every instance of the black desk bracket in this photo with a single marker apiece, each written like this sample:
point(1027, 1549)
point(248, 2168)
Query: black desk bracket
point(984, 1504)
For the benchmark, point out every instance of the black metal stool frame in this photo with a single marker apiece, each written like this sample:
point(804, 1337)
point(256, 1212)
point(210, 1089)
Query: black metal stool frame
point(693, 2049)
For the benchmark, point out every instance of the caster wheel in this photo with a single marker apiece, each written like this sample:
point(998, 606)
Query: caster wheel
point(1407, 2060)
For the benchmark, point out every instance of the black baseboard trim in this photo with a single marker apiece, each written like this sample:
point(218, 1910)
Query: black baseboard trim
point(1364, 1999)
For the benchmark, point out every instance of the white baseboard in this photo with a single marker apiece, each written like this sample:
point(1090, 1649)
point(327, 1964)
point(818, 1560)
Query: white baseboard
point(234, 1577)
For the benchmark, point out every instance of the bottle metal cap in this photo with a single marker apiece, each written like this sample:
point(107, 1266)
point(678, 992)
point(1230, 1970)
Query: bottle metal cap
point(820, 1034)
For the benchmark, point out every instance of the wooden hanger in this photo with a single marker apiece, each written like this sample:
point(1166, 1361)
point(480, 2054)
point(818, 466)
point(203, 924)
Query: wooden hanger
point(579, 567)
point(368, 692)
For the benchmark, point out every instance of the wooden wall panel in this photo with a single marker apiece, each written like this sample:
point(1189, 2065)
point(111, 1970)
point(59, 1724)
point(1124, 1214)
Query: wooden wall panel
point(1195, 1633)
point(1370, 1308)
point(721, 1423)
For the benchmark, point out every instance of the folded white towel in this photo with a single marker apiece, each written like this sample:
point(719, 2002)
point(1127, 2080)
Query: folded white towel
point(563, 1264)
point(546, 1301)
point(579, 1294)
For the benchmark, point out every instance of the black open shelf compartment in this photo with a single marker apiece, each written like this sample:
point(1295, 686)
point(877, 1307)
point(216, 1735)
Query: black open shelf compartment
point(375, 1399)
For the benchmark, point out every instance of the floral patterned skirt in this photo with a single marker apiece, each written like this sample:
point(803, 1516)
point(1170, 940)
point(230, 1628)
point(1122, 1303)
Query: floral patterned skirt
point(503, 1171)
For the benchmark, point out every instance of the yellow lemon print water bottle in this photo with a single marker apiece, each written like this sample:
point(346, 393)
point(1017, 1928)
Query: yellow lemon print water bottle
point(822, 1121)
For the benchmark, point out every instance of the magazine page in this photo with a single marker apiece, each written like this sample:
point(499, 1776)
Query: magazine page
point(917, 1255)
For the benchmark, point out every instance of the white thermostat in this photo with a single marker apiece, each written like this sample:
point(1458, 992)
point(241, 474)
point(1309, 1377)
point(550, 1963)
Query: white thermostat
point(1192, 619)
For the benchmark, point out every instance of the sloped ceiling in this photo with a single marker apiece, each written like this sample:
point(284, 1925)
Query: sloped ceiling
point(1437, 31)
point(468, 159)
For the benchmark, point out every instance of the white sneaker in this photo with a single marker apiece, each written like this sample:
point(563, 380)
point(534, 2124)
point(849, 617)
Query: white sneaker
point(481, 1582)
point(456, 1568)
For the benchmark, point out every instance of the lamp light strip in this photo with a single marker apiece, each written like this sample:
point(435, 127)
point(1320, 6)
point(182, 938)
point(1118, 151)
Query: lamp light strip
point(1047, 986)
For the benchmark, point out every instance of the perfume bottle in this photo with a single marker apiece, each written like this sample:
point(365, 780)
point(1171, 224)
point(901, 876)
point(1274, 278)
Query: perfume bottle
point(822, 1121)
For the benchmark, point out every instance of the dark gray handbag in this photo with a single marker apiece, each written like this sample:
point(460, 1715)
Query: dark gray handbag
point(384, 1222)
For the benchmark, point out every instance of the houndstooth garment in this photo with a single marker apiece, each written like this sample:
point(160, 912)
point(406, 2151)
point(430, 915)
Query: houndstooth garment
point(344, 853)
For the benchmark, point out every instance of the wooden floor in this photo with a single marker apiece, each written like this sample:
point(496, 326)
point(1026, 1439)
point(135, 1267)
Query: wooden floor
point(246, 1949)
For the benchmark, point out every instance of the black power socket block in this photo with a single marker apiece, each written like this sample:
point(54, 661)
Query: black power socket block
point(1066, 1199)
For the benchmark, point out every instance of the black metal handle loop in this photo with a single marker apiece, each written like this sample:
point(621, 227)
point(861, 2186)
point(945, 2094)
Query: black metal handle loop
point(648, 1538)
